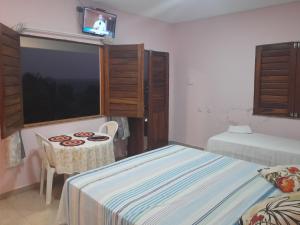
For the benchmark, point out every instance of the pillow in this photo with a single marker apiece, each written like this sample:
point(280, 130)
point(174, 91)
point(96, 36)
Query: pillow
point(281, 210)
point(240, 129)
point(286, 178)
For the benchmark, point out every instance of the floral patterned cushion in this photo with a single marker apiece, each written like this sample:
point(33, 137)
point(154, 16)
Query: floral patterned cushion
point(286, 178)
point(281, 210)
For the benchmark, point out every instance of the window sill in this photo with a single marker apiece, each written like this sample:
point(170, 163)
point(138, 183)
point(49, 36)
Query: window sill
point(276, 116)
point(54, 122)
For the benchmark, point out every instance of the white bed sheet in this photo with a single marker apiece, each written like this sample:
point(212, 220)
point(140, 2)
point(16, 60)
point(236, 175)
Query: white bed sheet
point(259, 148)
point(173, 185)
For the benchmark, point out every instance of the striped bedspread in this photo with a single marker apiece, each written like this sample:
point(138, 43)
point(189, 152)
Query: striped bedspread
point(168, 186)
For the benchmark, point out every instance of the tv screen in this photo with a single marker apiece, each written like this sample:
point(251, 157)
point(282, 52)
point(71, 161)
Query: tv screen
point(99, 23)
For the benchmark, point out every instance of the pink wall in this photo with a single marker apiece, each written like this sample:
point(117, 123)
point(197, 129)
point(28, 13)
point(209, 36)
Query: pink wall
point(211, 70)
point(57, 15)
point(214, 72)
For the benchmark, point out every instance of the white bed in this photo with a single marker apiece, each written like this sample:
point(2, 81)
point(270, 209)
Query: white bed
point(259, 148)
point(173, 185)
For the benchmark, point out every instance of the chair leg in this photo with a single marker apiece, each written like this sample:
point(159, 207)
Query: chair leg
point(42, 179)
point(50, 174)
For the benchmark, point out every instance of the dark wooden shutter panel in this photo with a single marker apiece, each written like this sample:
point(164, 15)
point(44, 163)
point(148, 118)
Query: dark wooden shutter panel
point(297, 87)
point(275, 79)
point(123, 77)
point(11, 112)
point(158, 119)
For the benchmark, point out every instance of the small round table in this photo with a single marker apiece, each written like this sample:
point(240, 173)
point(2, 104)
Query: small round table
point(77, 154)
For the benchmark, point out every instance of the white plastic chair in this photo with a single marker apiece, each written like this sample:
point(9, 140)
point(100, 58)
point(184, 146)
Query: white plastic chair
point(46, 154)
point(109, 128)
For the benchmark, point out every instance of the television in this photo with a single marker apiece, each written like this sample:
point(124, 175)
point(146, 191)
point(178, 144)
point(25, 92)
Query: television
point(99, 23)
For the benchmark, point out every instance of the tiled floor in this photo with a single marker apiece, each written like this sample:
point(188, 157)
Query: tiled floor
point(27, 208)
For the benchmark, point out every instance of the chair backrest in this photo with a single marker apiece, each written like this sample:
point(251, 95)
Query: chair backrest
point(46, 150)
point(109, 128)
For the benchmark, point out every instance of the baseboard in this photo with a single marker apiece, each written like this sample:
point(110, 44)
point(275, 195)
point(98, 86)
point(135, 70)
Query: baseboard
point(187, 145)
point(19, 190)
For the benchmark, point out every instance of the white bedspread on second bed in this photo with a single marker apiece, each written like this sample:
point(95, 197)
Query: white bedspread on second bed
point(259, 148)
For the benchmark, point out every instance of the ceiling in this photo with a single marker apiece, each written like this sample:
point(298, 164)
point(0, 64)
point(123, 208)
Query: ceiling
point(174, 11)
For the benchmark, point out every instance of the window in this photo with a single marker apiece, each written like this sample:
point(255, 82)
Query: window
point(277, 80)
point(61, 79)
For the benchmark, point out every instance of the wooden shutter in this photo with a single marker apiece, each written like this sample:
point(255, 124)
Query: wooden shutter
point(123, 81)
point(297, 86)
point(11, 111)
point(158, 117)
point(275, 79)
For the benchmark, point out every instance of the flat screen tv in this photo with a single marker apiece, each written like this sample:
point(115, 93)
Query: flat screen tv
point(99, 23)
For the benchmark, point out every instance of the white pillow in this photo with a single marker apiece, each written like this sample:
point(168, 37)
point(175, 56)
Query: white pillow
point(240, 129)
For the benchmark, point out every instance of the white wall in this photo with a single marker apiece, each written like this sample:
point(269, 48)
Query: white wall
point(214, 72)
point(61, 16)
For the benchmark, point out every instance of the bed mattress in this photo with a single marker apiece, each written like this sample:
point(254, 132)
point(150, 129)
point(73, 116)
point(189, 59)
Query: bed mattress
point(259, 148)
point(174, 185)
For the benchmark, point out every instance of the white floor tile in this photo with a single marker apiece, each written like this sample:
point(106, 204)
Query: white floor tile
point(27, 208)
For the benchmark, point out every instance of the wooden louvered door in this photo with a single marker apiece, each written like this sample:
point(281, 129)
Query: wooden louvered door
point(275, 79)
point(297, 86)
point(123, 81)
point(11, 108)
point(158, 112)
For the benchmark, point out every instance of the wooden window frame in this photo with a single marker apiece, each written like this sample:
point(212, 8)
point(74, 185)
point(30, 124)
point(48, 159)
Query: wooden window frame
point(271, 66)
point(113, 101)
point(101, 71)
point(11, 109)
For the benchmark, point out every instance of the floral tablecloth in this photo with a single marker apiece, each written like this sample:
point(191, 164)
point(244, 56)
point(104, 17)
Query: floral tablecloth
point(87, 155)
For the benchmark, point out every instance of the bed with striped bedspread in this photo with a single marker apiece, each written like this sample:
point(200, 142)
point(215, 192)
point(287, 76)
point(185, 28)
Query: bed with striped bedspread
point(168, 186)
